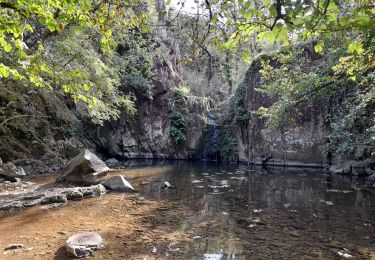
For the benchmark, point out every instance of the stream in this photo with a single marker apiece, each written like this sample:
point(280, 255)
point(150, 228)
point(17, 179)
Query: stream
point(213, 211)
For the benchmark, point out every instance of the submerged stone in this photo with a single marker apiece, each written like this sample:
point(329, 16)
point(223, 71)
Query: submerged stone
point(84, 244)
point(112, 162)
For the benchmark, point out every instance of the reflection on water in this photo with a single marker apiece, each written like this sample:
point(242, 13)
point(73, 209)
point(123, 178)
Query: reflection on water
point(240, 212)
point(214, 211)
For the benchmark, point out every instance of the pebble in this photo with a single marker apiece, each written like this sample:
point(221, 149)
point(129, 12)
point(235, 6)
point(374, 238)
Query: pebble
point(13, 246)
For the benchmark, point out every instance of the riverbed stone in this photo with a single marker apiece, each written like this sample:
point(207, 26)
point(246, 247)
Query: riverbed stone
point(10, 172)
point(58, 198)
point(100, 190)
point(12, 206)
point(74, 195)
point(83, 244)
point(13, 246)
point(335, 169)
point(92, 191)
point(86, 169)
point(118, 183)
point(112, 162)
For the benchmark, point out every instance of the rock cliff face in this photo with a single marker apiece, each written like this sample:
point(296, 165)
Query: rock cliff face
point(300, 143)
point(147, 135)
point(298, 146)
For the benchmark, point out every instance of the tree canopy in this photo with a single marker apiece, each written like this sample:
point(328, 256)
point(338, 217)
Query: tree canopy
point(29, 52)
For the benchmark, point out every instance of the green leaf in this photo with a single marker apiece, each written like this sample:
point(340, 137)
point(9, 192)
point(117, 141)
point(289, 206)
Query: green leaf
point(319, 46)
point(86, 87)
point(6, 46)
point(246, 56)
point(273, 10)
point(4, 71)
point(247, 15)
point(355, 47)
point(264, 35)
point(51, 25)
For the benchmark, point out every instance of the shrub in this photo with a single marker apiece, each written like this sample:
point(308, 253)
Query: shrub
point(177, 130)
point(181, 93)
point(139, 84)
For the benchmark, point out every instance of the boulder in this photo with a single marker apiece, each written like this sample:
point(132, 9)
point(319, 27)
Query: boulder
point(10, 172)
point(84, 244)
point(86, 169)
point(118, 183)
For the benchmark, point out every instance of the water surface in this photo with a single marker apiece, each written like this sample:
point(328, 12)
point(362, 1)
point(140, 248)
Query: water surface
point(213, 211)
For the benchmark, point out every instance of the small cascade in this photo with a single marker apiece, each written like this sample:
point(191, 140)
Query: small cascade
point(211, 138)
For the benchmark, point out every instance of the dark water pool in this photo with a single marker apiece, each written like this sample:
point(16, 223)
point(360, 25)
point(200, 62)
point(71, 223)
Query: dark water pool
point(240, 212)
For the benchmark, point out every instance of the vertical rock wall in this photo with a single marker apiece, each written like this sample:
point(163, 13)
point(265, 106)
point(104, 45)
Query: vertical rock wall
point(147, 134)
point(297, 146)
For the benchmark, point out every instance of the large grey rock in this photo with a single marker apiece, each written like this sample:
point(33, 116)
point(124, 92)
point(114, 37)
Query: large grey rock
point(84, 244)
point(10, 172)
point(86, 168)
point(118, 183)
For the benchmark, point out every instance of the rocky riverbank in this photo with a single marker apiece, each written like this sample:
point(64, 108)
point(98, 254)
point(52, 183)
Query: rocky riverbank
point(85, 176)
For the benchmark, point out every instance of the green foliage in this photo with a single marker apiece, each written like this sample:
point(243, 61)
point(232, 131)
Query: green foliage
point(27, 47)
point(78, 69)
point(353, 121)
point(281, 20)
point(207, 70)
point(299, 87)
point(242, 117)
point(134, 59)
point(140, 85)
point(237, 105)
point(289, 22)
point(181, 93)
point(227, 143)
point(177, 129)
point(28, 135)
